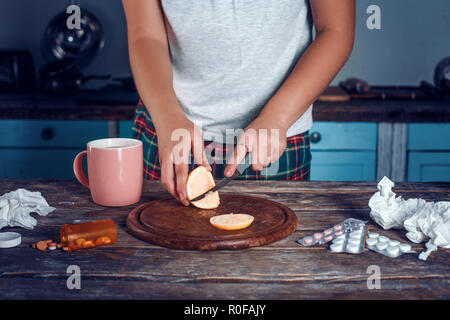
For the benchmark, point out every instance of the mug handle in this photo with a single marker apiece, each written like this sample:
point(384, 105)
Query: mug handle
point(78, 169)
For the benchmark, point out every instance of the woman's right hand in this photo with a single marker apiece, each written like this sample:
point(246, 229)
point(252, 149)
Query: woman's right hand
point(176, 140)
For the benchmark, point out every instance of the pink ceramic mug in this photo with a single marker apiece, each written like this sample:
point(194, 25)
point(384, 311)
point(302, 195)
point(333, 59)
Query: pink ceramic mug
point(115, 171)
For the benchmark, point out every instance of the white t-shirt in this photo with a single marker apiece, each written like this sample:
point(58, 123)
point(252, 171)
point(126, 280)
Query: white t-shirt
point(230, 56)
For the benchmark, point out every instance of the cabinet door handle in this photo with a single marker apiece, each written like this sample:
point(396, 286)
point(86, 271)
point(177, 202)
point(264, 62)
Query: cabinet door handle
point(315, 137)
point(47, 134)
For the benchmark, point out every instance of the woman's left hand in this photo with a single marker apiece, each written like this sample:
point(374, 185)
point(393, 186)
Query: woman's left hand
point(265, 139)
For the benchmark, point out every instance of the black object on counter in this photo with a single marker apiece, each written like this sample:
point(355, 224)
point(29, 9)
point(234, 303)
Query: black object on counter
point(355, 85)
point(360, 89)
point(63, 77)
point(17, 74)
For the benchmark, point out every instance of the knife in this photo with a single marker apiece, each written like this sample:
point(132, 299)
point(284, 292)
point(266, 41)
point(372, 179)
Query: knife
point(246, 163)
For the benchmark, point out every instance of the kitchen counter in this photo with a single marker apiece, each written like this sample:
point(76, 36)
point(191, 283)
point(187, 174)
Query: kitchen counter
point(134, 269)
point(120, 106)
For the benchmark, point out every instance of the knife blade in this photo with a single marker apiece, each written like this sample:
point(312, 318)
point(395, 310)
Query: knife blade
point(247, 162)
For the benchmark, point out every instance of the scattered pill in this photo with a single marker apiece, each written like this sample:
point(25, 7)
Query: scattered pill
point(373, 235)
point(59, 245)
point(41, 245)
point(51, 247)
point(383, 239)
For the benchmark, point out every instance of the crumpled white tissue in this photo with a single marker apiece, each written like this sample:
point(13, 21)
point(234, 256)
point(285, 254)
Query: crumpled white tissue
point(16, 206)
point(385, 207)
point(422, 219)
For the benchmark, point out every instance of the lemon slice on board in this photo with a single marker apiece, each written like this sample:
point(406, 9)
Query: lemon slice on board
point(232, 221)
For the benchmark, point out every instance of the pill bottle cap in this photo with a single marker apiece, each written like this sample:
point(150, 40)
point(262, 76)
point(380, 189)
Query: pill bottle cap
point(10, 239)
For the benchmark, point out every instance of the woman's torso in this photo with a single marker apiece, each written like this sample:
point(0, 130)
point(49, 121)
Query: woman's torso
point(230, 56)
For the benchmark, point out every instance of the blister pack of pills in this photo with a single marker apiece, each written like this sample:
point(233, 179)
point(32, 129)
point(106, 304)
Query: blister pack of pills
point(335, 231)
point(350, 242)
point(386, 246)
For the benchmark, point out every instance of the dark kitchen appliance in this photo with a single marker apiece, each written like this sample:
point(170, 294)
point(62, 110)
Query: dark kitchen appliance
point(360, 89)
point(17, 74)
point(442, 75)
point(71, 50)
point(81, 44)
point(63, 77)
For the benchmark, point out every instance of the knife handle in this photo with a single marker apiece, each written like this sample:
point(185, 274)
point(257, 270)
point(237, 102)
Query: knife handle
point(245, 164)
point(271, 170)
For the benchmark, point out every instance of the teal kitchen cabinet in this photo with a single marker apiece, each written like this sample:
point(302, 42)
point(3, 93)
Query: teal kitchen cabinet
point(429, 166)
point(429, 152)
point(32, 149)
point(125, 130)
point(37, 163)
point(343, 151)
point(343, 166)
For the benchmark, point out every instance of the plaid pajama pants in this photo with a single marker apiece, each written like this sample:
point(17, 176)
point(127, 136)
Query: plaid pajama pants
point(294, 163)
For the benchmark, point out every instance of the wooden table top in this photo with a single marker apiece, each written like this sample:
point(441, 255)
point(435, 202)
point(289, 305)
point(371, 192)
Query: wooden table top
point(365, 110)
point(132, 268)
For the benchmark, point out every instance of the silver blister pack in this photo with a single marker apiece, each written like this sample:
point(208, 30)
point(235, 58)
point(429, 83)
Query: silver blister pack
point(329, 234)
point(386, 246)
point(350, 242)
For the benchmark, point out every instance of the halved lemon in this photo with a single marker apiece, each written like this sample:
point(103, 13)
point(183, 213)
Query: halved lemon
point(232, 221)
point(198, 182)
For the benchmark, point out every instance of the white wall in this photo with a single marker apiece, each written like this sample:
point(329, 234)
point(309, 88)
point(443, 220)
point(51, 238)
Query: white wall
point(415, 36)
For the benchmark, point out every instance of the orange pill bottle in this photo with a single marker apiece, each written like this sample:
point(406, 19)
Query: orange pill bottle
point(88, 234)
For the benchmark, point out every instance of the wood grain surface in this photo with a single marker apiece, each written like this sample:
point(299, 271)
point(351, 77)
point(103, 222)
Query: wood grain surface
point(170, 224)
point(135, 269)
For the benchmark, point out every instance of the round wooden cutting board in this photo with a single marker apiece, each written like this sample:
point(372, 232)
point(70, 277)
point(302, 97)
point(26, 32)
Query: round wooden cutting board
point(170, 224)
